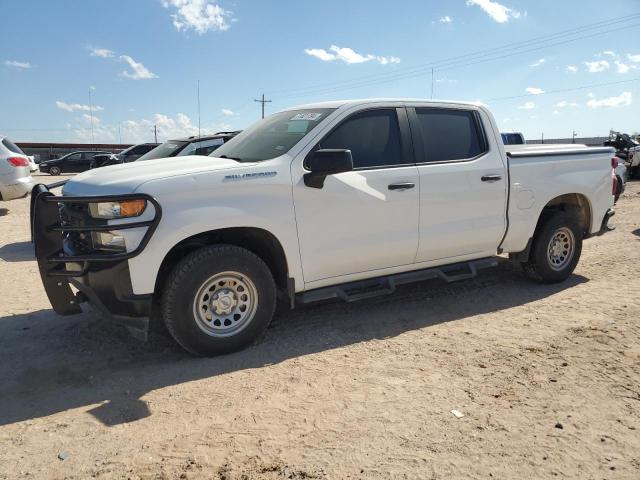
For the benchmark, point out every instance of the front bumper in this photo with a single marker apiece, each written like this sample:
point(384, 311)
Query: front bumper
point(102, 279)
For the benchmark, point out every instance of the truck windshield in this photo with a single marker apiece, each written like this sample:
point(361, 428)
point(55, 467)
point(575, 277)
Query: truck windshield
point(272, 136)
point(167, 149)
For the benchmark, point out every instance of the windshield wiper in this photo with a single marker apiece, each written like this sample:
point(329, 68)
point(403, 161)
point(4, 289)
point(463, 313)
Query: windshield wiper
point(231, 158)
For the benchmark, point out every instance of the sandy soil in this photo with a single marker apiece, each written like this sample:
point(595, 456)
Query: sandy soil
point(547, 378)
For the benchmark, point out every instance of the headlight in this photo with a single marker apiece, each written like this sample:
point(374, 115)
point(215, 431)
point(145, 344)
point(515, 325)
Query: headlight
point(111, 241)
point(123, 209)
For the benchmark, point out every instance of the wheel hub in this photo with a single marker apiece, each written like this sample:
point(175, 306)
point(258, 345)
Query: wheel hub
point(225, 304)
point(561, 249)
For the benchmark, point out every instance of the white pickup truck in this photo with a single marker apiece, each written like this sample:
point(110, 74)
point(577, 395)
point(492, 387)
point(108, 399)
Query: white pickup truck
point(332, 200)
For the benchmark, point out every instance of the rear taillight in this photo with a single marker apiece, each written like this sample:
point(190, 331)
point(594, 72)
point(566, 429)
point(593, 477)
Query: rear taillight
point(615, 161)
point(18, 161)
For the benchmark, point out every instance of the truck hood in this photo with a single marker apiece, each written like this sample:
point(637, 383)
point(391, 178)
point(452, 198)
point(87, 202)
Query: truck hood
point(127, 177)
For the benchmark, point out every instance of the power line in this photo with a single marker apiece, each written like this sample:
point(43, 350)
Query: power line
point(481, 56)
point(563, 90)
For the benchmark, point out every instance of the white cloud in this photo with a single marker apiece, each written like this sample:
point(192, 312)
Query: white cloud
point(445, 19)
point(18, 65)
point(634, 58)
point(199, 15)
point(572, 69)
point(538, 62)
point(74, 107)
point(495, 10)
point(597, 66)
point(141, 130)
point(622, 67)
point(534, 90)
point(622, 100)
point(556, 112)
point(227, 112)
point(101, 52)
point(87, 118)
point(565, 104)
point(347, 55)
point(609, 53)
point(138, 70)
point(528, 106)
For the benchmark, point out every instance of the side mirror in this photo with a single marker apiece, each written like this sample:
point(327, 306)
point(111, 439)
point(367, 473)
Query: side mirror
point(326, 162)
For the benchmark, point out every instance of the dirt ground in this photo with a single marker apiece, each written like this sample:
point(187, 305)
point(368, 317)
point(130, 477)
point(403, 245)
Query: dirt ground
point(547, 378)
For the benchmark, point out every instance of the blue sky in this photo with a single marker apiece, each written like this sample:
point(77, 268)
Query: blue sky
point(142, 60)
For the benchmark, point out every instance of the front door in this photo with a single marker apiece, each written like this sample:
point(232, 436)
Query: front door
point(365, 220)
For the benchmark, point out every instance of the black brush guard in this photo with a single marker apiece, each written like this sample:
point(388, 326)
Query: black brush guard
point(47, 235)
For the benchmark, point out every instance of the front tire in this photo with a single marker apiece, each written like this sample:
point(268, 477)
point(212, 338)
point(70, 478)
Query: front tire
point(55, 171)
point(556, 249)
point(218, 300)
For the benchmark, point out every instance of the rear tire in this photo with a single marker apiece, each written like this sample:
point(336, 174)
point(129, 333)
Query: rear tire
point(218, 300)
point(55, 171)
point(556, 249)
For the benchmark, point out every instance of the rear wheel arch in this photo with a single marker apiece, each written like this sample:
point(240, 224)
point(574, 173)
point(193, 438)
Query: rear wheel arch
point(575, 204)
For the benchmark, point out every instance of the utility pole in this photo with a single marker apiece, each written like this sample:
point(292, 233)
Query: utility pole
point(573, 137)
point(91, 116)
point(543, 138)
point(431, 83)
point(263, 101)
point(119, 134)
point(198, 109)
point(155, 132)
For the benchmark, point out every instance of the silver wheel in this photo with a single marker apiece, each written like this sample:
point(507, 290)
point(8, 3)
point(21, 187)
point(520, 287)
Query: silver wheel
point(54, 171)
point(225, 304)
point(561, 249)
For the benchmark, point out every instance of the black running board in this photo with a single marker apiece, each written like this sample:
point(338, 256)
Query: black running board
point(354, 291)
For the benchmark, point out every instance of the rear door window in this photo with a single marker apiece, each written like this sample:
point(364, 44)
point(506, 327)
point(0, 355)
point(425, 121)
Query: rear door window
point(450, 134)
point(12, 147)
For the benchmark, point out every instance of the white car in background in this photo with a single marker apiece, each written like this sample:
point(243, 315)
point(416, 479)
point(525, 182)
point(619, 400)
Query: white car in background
point(33, 166)
point(15, 171)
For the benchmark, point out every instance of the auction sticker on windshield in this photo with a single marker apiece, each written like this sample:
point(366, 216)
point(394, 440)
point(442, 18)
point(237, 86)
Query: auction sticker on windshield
point(307, 116)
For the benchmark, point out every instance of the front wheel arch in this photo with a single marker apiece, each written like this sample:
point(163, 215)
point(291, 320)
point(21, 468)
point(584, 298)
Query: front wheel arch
point(260, 242)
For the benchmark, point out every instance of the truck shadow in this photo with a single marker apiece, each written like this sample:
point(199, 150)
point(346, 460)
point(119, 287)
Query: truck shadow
point(50, 364)
point(17, 252)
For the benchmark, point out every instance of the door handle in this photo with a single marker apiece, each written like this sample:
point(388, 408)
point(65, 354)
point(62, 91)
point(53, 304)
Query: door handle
point(401, 186)
point(491, 178)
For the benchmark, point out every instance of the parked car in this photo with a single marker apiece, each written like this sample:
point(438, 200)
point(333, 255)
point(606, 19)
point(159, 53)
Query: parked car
point(195, 145)
point(627, 149)
point(514, 138)
point(15, 174)
point(620, 172)
point(74, 162)
point(336, 200)
point(131, 154)
point(33, 166)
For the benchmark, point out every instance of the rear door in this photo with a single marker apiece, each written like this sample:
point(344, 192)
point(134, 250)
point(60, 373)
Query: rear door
point(463, 183)
point(365, 220)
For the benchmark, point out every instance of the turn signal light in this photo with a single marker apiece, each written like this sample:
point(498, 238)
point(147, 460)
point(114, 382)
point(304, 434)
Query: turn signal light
point(615, 161)
point(18, 161)
point(132, 208)
point(122, 209)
